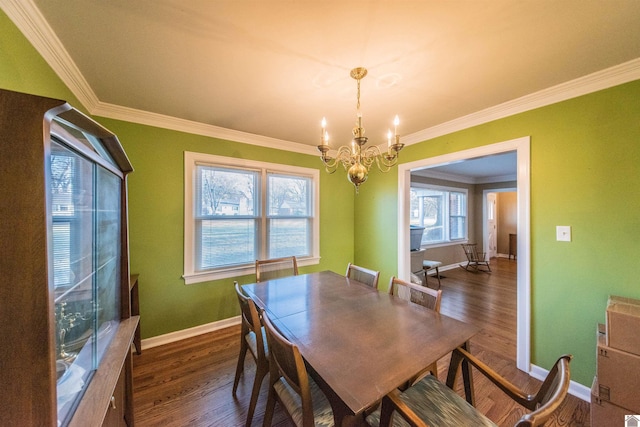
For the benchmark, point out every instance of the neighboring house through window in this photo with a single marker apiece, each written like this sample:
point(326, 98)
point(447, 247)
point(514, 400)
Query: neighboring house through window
point(237, 211)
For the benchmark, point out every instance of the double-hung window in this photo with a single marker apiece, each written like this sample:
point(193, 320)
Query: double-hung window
point(237, 211)
point(441, 211)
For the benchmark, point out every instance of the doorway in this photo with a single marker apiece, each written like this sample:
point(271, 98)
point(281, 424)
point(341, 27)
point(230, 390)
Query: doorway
point(522, 148)
point(491, 224)
point(500, 219)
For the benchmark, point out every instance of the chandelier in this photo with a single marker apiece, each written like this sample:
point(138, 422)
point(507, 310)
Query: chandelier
point(357, 159)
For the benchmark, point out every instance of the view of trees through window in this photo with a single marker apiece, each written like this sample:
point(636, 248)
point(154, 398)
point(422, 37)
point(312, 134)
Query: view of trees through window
point(236, 225)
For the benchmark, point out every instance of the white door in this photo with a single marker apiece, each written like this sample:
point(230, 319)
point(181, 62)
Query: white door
point(492, 231)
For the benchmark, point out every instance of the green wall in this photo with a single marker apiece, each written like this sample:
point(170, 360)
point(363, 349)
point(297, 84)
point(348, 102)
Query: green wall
point(156, 212)
point(23, 69)
point(585, 164)
point(156, 199)
point(584, 173)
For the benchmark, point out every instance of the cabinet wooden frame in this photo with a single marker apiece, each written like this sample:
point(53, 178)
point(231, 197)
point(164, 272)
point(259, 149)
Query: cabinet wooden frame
point(27, 327)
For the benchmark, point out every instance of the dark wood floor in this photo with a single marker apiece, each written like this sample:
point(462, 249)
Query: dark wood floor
point(189, 383)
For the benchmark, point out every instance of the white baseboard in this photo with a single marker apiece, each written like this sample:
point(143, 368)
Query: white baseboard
point(575, 389)
point(188, 333)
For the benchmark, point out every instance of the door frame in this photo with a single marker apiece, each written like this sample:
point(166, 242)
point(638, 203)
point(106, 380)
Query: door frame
point(522, 148)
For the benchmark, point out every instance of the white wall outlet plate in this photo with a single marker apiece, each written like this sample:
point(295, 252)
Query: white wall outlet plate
point(563, 233)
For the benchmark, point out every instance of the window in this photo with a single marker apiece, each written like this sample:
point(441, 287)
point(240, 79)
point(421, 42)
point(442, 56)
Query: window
point(441, 211)
point(237, 211)
point(63, 212)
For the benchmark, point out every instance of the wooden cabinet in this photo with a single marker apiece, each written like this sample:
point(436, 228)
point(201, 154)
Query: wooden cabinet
point(65, 318)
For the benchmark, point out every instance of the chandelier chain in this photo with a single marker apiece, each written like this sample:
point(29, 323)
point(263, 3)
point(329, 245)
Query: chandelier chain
point(358, 103)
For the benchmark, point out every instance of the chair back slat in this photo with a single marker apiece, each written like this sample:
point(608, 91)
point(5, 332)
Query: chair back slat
point(274, 268)
point(363, 275)
point(471, 251)
point(474, 258)
point(417, 294)
point(557, 376)
point(551, 394)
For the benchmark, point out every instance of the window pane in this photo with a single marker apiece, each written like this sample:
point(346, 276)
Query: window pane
point(433, 218)
point(71, 211)
point(288, 195)
point(457, 204)
point(63, 210)
point(225, 192)
point(289, 237)
point(414, 208)
point(61, 253)
point(225, 242)
point(457, 212)
point(457, 227)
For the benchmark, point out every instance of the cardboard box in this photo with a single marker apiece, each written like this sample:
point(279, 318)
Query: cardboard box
point(618, 375)
point(623, 324)
point(603, 413)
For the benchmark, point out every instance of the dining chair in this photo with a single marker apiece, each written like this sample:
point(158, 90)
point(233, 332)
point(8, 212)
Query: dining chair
point(363, 275)
point(431, 403)
point(418, 294)
point(273, 268)
point(252, 338)
point(290, 384)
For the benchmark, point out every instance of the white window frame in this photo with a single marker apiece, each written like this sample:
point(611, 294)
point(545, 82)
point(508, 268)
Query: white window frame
point(191, 159)
point(448, 241)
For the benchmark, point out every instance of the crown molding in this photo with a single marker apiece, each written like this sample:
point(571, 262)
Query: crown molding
point(616, 75)
point(27, 17)
point(118, 112)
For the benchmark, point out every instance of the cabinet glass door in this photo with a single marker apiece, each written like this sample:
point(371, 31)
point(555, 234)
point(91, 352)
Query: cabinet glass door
point(85, 257)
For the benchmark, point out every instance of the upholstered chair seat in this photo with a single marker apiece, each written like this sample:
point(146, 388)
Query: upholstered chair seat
point(436, 405)
point(322, 413)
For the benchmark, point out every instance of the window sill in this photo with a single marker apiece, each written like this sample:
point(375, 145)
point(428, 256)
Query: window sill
point(243, 270)
point(444, 244)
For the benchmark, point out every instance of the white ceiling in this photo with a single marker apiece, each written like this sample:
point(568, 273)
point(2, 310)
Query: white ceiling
point(274, 68)
point(480, 170)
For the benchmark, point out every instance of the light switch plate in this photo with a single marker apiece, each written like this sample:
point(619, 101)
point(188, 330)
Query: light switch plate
point(563, 233)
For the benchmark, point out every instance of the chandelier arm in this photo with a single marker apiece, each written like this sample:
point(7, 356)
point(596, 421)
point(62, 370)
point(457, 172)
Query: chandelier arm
point(330, 166)
point(385, 165)
point(345, 156)
point(329, 162)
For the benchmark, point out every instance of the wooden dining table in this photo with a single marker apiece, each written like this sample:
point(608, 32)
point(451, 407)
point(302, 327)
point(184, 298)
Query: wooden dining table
point(359, 344)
